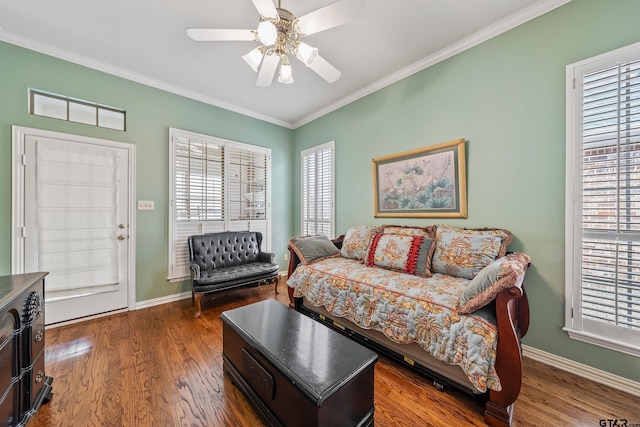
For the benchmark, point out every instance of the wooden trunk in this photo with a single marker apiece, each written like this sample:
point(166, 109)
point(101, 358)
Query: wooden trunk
point(296, 371)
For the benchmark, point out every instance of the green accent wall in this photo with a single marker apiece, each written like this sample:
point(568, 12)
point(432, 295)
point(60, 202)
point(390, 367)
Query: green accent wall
point(506, 97)
point(150, 113)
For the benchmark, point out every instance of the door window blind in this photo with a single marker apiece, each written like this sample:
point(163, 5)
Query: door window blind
point(77, 217)
point(317, 166)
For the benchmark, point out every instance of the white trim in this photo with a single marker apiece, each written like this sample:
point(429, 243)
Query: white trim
point(584, 371)
point(162, 300)
point(17, 198)
point(508, 23)
point(602, 341)
point(84, 319)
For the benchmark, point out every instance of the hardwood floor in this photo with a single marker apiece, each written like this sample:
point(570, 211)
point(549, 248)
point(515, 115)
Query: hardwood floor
point(161, 367)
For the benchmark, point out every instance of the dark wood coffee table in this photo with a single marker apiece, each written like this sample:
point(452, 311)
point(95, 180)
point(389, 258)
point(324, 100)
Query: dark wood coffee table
point(296, 371)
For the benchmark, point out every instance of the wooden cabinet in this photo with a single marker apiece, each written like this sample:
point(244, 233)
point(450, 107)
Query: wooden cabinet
point(23, 383)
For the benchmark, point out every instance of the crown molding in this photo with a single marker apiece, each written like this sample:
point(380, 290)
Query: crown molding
point(510, 22)
point(132, 76)
point(533, 11)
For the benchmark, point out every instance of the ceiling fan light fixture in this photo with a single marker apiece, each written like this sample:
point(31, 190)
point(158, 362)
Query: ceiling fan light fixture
point(254, 58)
point(267, 33)
point(285, 75)
point(306, 54)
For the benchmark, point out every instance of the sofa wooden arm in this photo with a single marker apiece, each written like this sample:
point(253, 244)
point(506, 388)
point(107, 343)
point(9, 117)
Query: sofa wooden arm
point(294, 260)
point(512, 314)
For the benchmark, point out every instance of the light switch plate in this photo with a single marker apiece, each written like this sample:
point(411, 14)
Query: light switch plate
point(145, 205)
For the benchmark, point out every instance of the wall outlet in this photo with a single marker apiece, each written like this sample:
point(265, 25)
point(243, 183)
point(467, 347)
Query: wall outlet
point(286, 256)
point(145, 205)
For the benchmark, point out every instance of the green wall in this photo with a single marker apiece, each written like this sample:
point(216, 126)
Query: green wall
point(150, 113)
point(506, 97)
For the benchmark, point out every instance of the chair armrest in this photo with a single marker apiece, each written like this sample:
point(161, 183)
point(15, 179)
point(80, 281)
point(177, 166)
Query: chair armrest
point(195, 271)
point(266, 257)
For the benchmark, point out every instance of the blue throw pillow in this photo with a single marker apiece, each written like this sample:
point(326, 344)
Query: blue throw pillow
point(313, 248)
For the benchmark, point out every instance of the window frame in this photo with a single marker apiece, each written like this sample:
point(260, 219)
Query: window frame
point(625, 340)
point(303, 220)
point(226, 223)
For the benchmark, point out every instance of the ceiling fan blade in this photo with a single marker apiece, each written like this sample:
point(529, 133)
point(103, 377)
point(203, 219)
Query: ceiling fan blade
point(325, 70)
point(268, 70)
point(217, 35)
point(330, 16)
point(266, 8)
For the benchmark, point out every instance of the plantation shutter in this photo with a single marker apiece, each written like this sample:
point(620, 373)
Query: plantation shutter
point(198, 194)
point(611, 196)
point(215, 185)
point(602, 228)
point(247, 188)
point(317, 166)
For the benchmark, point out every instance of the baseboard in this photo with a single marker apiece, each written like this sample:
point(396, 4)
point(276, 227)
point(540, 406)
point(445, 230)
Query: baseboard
point(178, 297)
point(162, 300)
point(601, 377)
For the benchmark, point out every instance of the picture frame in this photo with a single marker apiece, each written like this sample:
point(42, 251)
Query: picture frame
point(428, 182)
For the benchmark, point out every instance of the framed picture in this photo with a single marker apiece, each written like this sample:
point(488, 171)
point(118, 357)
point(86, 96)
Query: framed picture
point(427, 182)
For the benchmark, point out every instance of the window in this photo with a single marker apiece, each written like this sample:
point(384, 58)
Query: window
point(216, 185)
point(603, 201)
point(75, 110)
point(318, 190)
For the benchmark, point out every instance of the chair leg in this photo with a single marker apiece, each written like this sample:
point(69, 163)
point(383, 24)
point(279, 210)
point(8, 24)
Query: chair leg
point(277, 283)
point(198, 301)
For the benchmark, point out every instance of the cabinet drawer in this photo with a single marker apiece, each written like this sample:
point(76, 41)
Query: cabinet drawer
point(9, 410)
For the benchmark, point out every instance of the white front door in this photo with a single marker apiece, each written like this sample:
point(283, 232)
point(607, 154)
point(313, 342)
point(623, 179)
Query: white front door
point(76, 214)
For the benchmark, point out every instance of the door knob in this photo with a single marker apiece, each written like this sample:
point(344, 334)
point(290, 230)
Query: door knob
point(121, 237)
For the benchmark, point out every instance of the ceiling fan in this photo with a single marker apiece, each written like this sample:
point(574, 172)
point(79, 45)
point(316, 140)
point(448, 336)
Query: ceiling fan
point(279, 33)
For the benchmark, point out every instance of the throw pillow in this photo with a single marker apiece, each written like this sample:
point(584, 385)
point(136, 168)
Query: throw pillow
point(356, 241)
point(407, 230)
point(313, 248)
point(409, 254)
point(463, 252)
point(501, 274)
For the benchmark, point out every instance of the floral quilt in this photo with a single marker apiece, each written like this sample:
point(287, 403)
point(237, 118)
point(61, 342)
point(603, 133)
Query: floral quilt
point(406, 308)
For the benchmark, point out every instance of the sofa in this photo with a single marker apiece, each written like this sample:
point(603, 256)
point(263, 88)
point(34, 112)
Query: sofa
point(443, 300)
point(225, 260)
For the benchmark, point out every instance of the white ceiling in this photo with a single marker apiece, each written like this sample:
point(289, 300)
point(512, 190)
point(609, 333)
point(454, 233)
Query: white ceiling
point(145, 41)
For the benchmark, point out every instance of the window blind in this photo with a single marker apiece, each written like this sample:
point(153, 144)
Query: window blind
point(248, 191)
point(318, 190)
point(216, 185)
point(610, 267)
point(198, 199)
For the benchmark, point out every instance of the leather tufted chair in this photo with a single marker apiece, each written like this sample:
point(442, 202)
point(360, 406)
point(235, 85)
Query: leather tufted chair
point(229, 259)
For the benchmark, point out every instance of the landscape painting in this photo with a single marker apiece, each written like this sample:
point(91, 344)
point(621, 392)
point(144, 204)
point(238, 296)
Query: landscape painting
point(428, 182)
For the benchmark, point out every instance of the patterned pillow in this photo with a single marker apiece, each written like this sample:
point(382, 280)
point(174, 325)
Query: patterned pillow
point(409, 230)
point(356, 241)
point(463, 252)
point(501, 274)
point(409, 254)
point(313, 248)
